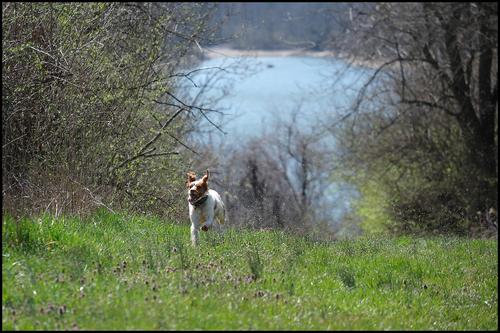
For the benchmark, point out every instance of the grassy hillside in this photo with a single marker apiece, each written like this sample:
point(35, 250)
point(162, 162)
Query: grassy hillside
point(113, 272)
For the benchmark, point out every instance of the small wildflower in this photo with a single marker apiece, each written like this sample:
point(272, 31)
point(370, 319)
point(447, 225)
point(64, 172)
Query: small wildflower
point(62, 309)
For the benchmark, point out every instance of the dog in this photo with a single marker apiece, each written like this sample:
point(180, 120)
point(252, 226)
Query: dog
point(205, 206)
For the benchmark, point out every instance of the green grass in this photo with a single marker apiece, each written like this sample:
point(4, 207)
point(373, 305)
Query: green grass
point(114, 272)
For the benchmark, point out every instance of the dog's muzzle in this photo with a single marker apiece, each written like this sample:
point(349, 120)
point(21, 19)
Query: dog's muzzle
point(197, 202)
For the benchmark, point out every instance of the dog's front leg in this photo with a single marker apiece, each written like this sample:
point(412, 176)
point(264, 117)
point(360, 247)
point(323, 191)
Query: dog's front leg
point(210, 219)
point(194, 234)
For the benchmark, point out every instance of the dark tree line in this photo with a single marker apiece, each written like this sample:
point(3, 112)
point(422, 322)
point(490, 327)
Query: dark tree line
point(276, 25)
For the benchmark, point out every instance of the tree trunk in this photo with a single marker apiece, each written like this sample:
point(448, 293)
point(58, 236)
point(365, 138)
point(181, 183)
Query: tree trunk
point(477, 120)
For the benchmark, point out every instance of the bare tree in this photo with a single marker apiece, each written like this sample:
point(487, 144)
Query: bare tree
point(275, 180)
point(451, 44)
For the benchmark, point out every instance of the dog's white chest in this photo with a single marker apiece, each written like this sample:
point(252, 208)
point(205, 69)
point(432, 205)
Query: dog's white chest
point(202, 217)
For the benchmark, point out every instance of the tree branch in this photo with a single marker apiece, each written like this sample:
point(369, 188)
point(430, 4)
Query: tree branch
point(142, 151)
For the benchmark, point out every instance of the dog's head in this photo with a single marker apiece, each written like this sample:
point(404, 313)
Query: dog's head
point(196, 188)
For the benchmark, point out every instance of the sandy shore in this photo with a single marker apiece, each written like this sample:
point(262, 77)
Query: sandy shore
point(218, 52)
point(224, 51)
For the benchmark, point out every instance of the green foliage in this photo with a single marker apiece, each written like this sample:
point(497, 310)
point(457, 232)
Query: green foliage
point(74, 273)
point(373, 208)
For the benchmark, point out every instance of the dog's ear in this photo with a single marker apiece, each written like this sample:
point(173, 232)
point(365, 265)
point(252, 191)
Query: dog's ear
point(191, 177)
point(205, 177)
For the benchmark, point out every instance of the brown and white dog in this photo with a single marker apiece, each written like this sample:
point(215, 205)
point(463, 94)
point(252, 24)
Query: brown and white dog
point(205, 206)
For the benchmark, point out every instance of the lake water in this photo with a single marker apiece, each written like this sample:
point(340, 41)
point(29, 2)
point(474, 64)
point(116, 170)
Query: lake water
point(254, 92)
point(258, 90)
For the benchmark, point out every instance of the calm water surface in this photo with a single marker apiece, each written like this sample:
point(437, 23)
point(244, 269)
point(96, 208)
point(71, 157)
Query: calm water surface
point(258, 90)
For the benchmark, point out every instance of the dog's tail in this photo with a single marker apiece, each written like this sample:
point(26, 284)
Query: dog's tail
point(225, 217)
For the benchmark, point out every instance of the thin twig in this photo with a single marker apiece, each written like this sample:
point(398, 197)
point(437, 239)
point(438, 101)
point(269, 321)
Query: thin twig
point(143, 151)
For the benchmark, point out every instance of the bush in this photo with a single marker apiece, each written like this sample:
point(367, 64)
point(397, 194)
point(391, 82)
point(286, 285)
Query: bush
point(87, 98)
point(414, 177)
